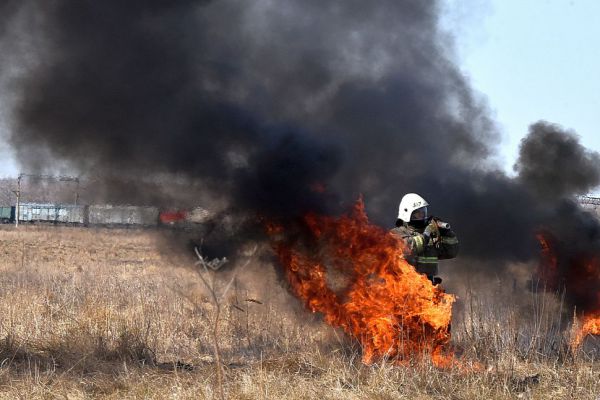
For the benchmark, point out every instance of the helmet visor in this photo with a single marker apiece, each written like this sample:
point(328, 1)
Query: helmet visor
point(420, 214)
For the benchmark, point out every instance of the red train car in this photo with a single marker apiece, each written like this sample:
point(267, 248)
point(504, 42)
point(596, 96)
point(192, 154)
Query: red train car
point(172, 217)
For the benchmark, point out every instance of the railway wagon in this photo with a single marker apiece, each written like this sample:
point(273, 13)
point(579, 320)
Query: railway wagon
point(172, 217)
point(54, 213)
point(183, 218)
point(122, 215)
point(7, 214)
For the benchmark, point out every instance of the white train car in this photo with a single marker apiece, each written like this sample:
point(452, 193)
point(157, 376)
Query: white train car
point(122, 215)
point(52, 213)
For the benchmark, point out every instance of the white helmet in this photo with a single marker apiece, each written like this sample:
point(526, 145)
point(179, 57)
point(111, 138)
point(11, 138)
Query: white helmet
point(409, 203)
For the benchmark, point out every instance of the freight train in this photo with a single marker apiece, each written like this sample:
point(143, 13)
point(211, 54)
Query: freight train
point(102, 215)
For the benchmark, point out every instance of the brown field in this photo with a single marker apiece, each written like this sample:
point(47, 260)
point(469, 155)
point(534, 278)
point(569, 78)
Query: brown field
point(88, 313)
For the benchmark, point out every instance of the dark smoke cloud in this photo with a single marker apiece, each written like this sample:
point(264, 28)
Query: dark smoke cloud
point(260, 101)
point(553, 163)
point(553, 166)
point(289, 106)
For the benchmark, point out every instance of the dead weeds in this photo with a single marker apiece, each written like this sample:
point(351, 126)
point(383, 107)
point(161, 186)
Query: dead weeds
point(102, 313)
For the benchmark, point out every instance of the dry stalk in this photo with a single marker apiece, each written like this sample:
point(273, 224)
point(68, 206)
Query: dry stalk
point(209, 268)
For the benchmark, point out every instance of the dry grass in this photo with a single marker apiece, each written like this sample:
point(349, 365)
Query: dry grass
point(104, 314)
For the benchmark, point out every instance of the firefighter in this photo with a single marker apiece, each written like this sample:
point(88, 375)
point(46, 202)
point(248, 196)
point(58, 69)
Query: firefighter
point(427, 239)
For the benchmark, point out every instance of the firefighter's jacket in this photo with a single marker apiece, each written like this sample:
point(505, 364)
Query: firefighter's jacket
point(424, 257)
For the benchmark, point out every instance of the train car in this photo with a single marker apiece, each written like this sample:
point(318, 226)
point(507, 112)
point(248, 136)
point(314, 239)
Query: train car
point(183, 218)
point(73, 214)
point(52, 213)
point(7, 214)
point(122, 215)
point(172, 217)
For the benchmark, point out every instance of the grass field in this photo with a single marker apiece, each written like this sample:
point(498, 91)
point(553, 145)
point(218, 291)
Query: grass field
point(88, 313)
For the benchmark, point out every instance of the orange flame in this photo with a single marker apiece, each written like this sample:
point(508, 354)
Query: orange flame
point(580, 279)
point(393, 311)
point(589, 325)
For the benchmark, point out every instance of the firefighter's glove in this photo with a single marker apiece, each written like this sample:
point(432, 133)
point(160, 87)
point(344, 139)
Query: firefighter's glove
point(431, 231)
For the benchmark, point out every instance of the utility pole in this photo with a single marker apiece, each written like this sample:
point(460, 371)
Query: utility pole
point(77, 191)
point(17, 208)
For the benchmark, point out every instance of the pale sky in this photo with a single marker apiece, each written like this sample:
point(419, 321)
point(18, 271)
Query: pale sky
point(531, 59)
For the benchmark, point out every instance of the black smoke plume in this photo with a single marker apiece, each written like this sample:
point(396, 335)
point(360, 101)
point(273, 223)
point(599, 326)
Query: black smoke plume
point(554, 164)
point(278, 108)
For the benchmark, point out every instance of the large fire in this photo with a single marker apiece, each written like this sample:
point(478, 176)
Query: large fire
point(589, 325)
point(393, 311)
point(579, 276)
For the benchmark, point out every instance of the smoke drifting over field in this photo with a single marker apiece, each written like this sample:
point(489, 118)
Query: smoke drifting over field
point(263, 102)
point(289, 106)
